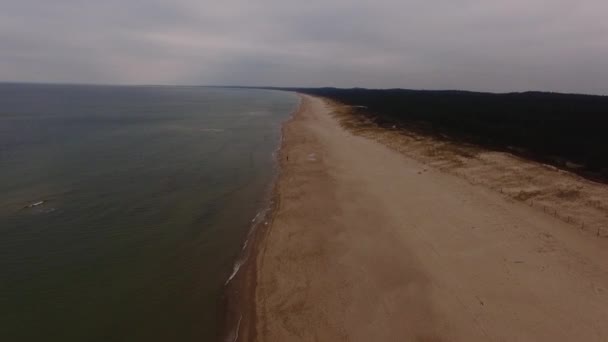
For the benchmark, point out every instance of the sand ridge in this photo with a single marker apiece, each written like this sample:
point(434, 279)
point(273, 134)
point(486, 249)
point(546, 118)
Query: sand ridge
point(367, 244)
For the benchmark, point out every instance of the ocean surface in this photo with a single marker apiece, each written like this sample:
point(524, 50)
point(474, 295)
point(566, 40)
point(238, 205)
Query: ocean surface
point(123, 209)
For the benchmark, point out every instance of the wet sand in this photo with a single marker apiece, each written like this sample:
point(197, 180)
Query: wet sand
point(367, 244)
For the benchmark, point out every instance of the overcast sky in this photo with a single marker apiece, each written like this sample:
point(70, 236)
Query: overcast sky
point(493, 45)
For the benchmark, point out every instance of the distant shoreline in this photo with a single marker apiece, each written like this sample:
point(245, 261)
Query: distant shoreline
point(564, 130)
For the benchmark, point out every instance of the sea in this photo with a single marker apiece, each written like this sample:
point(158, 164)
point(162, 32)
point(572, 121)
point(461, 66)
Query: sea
point(124, 208)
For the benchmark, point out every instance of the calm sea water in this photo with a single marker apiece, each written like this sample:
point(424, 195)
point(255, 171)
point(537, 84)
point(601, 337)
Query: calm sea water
point(147, 194)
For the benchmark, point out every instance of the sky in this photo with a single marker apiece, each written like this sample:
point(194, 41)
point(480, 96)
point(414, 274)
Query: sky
point(487, 45)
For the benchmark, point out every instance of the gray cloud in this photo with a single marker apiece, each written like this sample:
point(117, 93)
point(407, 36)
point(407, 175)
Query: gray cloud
point(554, 45)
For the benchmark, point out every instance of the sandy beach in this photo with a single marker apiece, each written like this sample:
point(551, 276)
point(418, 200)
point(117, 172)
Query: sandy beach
point(368, 244)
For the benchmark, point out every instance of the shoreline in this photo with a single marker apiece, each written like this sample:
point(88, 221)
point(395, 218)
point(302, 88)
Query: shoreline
point(239, 297)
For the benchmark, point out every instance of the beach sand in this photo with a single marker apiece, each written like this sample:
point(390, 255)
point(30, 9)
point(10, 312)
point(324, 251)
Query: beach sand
point(368, 244)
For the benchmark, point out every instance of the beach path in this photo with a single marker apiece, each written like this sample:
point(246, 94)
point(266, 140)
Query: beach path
point(369, 245)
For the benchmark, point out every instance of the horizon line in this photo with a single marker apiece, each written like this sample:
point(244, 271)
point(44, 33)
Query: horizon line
point(290, 88)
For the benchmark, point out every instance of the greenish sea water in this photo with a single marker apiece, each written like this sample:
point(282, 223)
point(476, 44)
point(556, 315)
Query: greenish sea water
point(123, 209)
